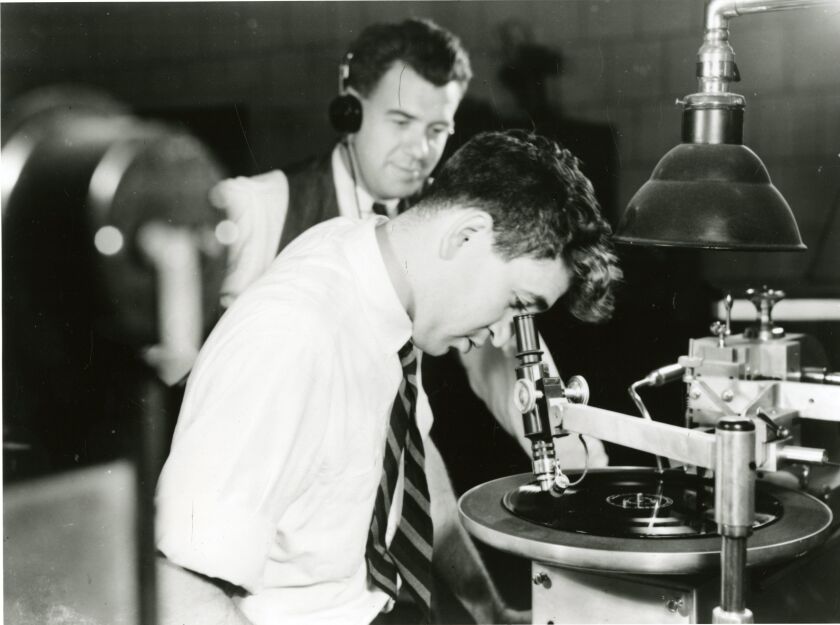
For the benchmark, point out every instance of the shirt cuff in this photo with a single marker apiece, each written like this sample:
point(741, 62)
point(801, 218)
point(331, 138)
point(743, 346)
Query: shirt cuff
point(214, 539)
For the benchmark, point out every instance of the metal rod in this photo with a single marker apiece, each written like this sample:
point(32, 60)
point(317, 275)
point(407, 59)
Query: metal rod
point(819, 375)
point(734, 512)
point(671, 441)
point(174, 253)
point(719, 12)
point(733, 561)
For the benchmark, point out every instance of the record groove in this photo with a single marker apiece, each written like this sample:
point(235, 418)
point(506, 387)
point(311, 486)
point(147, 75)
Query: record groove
point(804, 523)
point(633, 504)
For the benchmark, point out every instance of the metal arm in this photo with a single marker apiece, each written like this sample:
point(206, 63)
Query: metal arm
point(550, 408)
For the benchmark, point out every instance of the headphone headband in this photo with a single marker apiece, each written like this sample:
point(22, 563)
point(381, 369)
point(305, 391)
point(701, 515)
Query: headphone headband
point(345, 110)
point(344, 73)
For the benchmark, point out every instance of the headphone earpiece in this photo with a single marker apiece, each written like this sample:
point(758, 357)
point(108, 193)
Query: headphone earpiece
point(346, 113)
point(345, 110)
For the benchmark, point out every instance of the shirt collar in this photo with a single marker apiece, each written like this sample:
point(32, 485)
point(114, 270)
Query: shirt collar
point(354, 201)
point(382, 306)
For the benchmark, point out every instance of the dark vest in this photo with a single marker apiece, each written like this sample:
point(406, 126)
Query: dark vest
point(312, 197)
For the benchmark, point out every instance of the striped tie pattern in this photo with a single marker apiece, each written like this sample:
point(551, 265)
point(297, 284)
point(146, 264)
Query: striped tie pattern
point(410, 552)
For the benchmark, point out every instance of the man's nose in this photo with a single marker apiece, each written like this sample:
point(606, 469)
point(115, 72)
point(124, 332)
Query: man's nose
point(418, 145)
point(502, 331)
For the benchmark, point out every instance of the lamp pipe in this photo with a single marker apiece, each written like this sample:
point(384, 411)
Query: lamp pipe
point(719, 12)
point(716, 60)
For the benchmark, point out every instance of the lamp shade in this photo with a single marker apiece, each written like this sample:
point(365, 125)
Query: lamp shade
point(715, 196)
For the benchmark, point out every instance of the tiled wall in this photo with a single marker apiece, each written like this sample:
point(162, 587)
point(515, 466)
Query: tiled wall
point(625, 63)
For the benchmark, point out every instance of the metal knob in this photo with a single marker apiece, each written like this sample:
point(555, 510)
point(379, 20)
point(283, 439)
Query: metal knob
point(765, 297)
point(718, 328)
point(542, 579)
point(722, 329)
point(577, 390)
point(764, 300)
point(524, 395)
point(675, 604)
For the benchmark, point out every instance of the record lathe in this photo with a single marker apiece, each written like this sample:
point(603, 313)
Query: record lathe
point(732, 491)
point(725, 527)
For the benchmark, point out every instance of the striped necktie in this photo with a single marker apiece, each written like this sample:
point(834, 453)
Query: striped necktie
point(410, 552)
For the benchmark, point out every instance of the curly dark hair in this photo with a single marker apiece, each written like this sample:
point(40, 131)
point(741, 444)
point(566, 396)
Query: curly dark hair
point(542, 206)
point(433, 52)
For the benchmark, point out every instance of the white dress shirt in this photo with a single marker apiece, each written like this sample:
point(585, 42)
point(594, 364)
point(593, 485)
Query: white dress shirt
point(277, 455)
point(258, 205)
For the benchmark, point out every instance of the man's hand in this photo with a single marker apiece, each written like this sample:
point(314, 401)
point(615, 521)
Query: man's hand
point(509, 616)
point(186, 598)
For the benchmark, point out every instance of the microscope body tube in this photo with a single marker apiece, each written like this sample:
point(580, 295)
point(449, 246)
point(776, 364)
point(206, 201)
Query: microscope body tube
point(535, 421)
point(734, 512)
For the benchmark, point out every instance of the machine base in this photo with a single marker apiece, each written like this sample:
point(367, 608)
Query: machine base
point(801, 591)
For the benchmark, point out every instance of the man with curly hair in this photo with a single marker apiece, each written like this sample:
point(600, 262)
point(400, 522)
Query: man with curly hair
point(300, 487)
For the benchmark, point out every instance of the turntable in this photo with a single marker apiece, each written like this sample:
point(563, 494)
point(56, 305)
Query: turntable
point(632, 541)
point(635, 520)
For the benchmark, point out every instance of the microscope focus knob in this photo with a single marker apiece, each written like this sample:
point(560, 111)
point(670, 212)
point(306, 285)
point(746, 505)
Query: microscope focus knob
point(524, 395)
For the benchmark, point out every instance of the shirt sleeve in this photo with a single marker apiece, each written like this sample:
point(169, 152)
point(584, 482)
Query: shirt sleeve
point(257, 206)
point(248, 442)
point(491, 372)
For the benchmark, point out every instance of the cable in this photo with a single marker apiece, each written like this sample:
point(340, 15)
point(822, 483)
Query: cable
point(351, 158)
point(634, 395)
point(585, 462)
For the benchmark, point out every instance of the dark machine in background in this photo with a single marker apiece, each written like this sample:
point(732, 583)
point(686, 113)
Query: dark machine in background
point(83, 182)
point(112, 260)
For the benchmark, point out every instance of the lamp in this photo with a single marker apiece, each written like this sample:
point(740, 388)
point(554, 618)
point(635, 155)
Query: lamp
point(711, 191)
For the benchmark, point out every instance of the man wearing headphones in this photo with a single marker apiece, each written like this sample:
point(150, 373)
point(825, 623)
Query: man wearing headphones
point(400, 87)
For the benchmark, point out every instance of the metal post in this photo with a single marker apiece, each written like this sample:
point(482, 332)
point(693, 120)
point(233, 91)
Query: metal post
point(734, 513)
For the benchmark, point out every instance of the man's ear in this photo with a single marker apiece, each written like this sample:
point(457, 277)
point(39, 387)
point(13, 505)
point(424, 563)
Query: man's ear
point(465, 227)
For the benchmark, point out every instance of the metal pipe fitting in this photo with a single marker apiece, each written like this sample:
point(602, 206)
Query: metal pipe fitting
point(716, 59)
